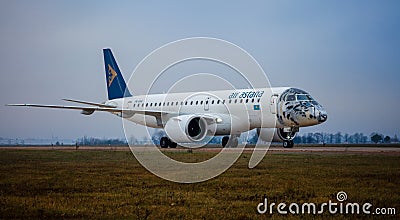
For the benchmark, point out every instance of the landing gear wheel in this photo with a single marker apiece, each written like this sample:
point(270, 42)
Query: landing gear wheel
point(164, 142)
point(172, 144)
point(224, 141)
point(233, 142)
point(288, 144)
point(230, 141)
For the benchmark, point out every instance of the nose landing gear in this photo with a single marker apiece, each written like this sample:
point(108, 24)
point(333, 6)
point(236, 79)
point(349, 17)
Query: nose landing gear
point(287, 135)
point(288, 144)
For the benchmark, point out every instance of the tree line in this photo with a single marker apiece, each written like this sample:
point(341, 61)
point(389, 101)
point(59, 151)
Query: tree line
point(340, 138)
point(307, 138)
point(91, 141)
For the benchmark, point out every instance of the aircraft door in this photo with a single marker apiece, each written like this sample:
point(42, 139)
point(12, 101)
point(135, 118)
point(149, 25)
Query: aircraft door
point(273, 103)
point(128, 105)
point(207, 104)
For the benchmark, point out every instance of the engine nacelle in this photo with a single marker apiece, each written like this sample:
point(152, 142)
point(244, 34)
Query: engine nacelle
point(186, 128)
point(276, 134)
point(87, 112)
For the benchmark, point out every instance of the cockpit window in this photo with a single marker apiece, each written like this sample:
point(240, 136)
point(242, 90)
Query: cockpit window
point(304, 97)
point(290, 98)
point(294, 94)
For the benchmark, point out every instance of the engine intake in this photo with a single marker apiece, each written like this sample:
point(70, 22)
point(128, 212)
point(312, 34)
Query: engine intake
point(186, 128)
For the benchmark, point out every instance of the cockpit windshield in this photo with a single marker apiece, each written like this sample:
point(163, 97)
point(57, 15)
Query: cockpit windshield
point(290, 98)
point(304, 97)
point(294, 94)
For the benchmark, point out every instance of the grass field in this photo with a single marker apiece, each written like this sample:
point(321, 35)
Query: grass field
point(107, 184)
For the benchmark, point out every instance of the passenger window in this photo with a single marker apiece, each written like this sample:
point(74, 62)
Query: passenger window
point(186, 103)
point(177, 103)
point(230, 101)
point(197, 102)
point(147, 104)
point(191, 103)
point(247, 100)
point(241, 100)
point(218, 101)
point(252, 100)
point(235, 100)
point(223, 101)
point(212, 102)
point(201, 102)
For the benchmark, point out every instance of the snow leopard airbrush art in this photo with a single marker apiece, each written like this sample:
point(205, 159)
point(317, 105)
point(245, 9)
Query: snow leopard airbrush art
point(297, 107)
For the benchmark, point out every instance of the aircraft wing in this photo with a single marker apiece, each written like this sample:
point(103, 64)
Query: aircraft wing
point(90, 109)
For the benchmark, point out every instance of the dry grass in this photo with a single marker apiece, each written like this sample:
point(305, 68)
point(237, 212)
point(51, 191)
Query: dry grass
point(107, 184)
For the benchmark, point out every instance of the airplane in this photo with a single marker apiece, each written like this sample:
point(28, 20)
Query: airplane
point(192, 116)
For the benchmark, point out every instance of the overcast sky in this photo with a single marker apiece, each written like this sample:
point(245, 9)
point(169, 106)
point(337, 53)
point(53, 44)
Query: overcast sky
point(345, 53)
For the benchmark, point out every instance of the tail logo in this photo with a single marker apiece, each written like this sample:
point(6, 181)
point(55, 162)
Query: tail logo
point(111, 75)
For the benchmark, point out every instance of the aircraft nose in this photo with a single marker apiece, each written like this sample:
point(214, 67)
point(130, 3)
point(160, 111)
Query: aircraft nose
point(323, 116)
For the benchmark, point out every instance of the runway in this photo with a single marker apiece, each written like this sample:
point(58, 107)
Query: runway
point(393, 149)
point(339, 150)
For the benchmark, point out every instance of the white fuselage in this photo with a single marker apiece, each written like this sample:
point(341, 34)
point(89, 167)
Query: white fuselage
point(241, 110)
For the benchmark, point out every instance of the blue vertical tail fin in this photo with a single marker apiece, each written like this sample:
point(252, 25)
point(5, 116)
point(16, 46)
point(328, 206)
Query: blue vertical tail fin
point(116, 85)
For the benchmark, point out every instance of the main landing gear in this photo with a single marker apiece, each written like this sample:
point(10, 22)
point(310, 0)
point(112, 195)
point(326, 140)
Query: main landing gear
point(231, 141)
point(227, 141)
point(165, 142)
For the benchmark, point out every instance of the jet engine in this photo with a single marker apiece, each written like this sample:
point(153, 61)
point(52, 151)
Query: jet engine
point(186, 128)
